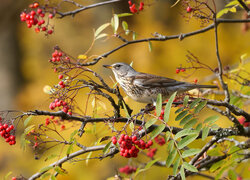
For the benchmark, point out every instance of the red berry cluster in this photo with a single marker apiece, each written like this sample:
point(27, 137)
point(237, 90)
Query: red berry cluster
point(5, 130)
point(36, 18)
point(58, 56)
point(127, 169)
point(59, 103)
point(151, 152)
point(180, 70)
point(128, 145)
point(160, 140)
point(195, 80)
point(243, 122)
point(132, 7)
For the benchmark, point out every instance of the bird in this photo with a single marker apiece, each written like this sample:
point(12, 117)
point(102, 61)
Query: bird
point(144, 88)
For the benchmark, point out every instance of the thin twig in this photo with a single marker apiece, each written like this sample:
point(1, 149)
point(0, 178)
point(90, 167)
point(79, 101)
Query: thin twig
point(74, 12)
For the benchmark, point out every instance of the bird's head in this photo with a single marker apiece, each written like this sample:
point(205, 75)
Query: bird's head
point(121, 69)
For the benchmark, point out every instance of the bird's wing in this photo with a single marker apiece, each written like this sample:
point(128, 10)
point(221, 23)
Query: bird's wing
point(150, 80)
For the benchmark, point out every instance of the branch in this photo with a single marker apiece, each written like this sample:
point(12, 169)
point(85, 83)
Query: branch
point(222, 132)
point(245, 7)
point(73, 13)
point(159, 37)
point(220, 73)
point(66, 158)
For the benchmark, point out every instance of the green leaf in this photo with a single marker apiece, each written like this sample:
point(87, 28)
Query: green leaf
point(124, 25)
point(184, 132)
point(182, 173)
point(87, 158)
point(59, 170)
point(124, 15)
point(158, 105)
point(167, 136)
point(106, 148)
point(179, 110)
point(100, 29)
point(52, 177)
point(186, 119)
point(134, 35)
point(181, 115)
point(23, 142)
point(232, 175)
point(211, 119)
point(187, 140)
point(217, 165)
point(150, 163)
point(150, 46)
point(28, 129)
point(7, 175)
point(115, 23)
point(72, 135)
point(52, 156)
point(171, 157)
point(168, 107)
point(45, 175)
point(233, 149)
point(176, 165)
point(170, 146)
point(190, 124)
point(200, 106)
point(198, 127)
point(185, 101)
point(215, 152)
point(27, 120)
point(150, 123)
point(205, 132)
point(194, 103)
point(157, 131)
point(70, 149)
point(190, 152)
point(131, 126)
point(189, 167)
point(45, 169)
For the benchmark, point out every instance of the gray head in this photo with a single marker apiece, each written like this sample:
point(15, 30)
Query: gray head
point(121, 69)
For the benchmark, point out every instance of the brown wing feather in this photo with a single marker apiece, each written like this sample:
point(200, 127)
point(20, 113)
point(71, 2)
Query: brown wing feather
point(150, 80)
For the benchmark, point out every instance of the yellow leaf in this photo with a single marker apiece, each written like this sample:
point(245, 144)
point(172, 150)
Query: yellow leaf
point(47, 89)
point(233, 9)
point(82, 56)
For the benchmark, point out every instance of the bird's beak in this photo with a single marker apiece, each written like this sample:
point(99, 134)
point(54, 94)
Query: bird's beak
point(108, 66)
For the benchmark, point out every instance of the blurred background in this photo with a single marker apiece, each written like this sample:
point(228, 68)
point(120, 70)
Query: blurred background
point(24, 67)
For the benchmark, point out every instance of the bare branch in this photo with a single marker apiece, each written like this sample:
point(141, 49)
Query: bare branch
point(67, 158)
point(73, 13)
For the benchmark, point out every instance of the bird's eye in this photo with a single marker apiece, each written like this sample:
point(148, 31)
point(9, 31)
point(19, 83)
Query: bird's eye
point(117, 66)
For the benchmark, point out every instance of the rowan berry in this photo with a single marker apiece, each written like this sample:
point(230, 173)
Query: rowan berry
point(189, 9)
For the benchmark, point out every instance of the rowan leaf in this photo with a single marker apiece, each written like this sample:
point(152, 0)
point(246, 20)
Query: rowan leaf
point(158, 106)
point(157, 131)
point(200, 106)
point(189, 167)
point(171, 157)
point(168, 107)
point(186, 140)
point(181, 115)
point(190, 152)
point(194, 103)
